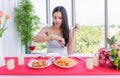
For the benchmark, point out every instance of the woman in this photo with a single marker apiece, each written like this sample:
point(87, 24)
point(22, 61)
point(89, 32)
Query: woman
point(60, 39)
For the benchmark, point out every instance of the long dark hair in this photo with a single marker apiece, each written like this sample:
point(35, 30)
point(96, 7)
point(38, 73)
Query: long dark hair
point(64, 28)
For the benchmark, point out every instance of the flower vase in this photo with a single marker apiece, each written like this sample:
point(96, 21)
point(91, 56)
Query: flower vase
point(2, 60)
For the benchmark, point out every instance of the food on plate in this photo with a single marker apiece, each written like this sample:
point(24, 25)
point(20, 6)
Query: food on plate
point(65, 61)
point(39, 63)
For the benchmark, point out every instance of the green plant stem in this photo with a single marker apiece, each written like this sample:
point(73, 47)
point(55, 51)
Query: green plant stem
point(26, 48)
point(4, 22)
point(0, 24)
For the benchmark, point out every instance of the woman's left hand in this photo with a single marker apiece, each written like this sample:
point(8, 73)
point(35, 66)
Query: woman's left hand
point(77, 27)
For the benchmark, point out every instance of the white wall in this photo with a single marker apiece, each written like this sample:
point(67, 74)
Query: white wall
point(11, 39)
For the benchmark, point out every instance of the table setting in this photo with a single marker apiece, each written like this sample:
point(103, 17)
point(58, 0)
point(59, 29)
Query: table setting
point(54, 65)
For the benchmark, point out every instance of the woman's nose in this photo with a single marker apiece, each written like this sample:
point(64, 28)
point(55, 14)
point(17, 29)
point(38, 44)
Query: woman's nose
point(57, 20)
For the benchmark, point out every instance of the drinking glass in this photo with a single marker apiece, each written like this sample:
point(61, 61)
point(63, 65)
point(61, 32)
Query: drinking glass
point(31, 48)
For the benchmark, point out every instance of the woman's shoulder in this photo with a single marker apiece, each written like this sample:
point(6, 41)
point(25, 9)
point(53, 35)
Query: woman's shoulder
point(46, 28)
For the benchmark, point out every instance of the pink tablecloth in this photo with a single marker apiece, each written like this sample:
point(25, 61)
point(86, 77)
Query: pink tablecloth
point(79, 69)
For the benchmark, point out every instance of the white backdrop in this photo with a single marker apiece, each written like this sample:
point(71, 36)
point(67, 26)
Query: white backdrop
point(11, 40)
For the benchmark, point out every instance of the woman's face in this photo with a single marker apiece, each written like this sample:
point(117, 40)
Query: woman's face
point(57, 19)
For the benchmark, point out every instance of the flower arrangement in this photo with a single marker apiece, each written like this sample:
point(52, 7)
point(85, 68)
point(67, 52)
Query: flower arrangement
point(2, 26)
point(110, 57)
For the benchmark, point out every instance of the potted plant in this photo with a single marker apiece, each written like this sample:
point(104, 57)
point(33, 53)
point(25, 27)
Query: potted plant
point(26, 22)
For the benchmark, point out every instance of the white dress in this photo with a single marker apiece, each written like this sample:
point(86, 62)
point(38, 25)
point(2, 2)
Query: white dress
point(54, 47)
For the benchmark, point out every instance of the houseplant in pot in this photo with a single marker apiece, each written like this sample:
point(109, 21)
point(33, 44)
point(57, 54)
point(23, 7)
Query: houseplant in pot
point(26, 22)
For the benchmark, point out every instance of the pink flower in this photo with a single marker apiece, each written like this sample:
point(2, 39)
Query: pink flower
point(119, 53)
point(117, 44)
point(1, 13)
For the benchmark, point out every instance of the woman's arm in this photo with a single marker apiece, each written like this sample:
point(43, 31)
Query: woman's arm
point(71, 43)
point(42, 35)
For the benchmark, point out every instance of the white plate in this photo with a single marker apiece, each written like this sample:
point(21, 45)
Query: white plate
point(66, 66)
point(30, 64)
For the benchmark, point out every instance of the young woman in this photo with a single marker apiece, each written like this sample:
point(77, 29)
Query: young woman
point(60, 39)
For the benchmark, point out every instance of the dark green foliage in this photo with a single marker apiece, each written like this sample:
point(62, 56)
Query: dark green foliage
point(111, 41)
point(25, 20)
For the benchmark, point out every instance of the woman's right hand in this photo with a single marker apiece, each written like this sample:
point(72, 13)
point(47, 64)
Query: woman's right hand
point(60, 40)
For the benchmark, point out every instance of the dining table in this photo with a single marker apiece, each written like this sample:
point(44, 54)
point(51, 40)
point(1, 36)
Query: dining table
point(53, 71)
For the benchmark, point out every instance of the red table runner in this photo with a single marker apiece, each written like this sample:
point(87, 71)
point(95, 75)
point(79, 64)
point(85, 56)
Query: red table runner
point(79, 69)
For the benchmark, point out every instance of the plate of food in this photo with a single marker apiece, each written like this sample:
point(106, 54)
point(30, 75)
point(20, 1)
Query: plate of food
point(39, 64)
point(65, 62)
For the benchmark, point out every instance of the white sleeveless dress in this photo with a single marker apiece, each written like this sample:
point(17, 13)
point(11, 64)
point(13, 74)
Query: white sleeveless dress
point(54, 47)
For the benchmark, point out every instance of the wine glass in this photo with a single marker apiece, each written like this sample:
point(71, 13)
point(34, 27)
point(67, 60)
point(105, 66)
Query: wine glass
point(31, 48)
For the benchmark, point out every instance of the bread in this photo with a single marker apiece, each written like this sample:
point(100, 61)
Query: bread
point(65, 61)
point(39, 63)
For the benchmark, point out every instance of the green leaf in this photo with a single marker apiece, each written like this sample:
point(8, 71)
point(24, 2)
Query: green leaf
point(2, 30)
point(26, 21)
point(111, 41)
point(113, 52)
point(117, 63)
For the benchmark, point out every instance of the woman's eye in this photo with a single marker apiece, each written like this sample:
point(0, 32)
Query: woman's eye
point(55, 17)
point(60, 18)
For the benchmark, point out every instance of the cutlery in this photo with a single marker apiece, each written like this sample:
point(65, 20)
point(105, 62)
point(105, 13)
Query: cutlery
point(80, 58)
